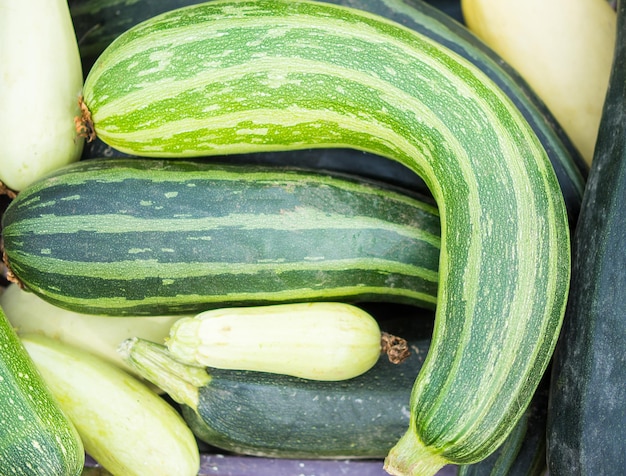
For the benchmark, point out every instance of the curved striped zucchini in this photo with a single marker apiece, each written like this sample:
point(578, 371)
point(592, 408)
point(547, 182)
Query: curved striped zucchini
point(244, 76)
point(148, 237)
point(98, 24)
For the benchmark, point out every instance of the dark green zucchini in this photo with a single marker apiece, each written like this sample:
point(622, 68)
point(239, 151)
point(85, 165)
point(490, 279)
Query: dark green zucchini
point(98, 23)
point(136, 237)
point(275, 415)
point(587, 413)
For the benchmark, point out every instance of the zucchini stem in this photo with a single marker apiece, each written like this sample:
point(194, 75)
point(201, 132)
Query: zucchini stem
point(411, 456)
point(396, 348)
point(154, 363)
point(84, 124)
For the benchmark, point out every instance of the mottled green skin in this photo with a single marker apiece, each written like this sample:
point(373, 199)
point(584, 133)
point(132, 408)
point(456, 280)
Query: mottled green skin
point(36, 437)
point(131, 237)
point(99, 22)
point(234, 77)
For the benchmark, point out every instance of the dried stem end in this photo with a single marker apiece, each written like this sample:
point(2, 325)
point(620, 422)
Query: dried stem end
point(396, 348)
point(84, 123)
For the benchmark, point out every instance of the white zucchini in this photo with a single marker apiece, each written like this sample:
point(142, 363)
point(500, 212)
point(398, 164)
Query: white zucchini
point(563, 49)
point(319, 341)
point(40, 84)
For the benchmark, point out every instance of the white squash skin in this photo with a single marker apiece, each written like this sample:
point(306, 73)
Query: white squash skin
point(563, 49)
point(40, 83)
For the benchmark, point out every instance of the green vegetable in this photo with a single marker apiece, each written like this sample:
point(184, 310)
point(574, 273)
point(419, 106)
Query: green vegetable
point(132, 237)
point(281, 416)
point(125, 426)
point(291, 74)
point(99, 22)
point(523, 453)
point(320, 341)
point(36, 437)
point(586, 416)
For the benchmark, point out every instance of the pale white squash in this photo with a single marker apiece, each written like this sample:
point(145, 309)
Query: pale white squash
point(40, 84)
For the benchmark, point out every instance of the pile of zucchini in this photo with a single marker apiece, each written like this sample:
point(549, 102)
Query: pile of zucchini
point(351, 219)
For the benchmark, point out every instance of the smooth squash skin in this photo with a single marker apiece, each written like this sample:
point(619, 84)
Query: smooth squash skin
point(326, 341)
point(40, 83)
point(237, 76)
point(125, 426)
point(98, 334)
point(562, 48)
point(587, 416)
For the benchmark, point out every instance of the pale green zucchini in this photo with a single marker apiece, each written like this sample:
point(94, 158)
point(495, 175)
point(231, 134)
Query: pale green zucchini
point(319, 341)
point(40, 84)
point(100, 335)
point(125, 426)
point(246, 76)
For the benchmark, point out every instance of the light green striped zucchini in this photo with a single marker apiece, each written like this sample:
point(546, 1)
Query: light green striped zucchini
point(99, 22)
point(149, 237)
point(245, 76)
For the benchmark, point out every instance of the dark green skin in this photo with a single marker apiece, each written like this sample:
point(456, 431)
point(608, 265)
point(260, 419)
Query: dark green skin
point(371, 253)
point(587, 413)
point(280, 416)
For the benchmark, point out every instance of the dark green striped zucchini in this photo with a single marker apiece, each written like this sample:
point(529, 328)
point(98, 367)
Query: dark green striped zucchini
point(587, 412)
point(276, 415)
point(292, 74)
point(98, 23)
point(133, 237)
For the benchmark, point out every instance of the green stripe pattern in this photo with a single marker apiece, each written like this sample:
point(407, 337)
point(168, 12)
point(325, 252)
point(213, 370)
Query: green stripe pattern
point(131, 237)
point(247, 76)
point(429, 20)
